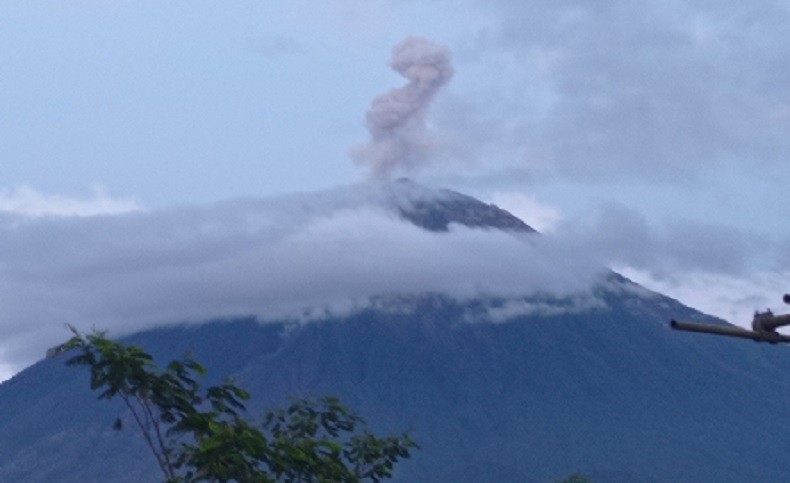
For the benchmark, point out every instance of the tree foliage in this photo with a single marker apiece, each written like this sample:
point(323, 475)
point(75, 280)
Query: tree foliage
point(205, 434)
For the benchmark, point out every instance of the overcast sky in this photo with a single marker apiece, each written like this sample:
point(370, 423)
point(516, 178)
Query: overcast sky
point(652, 135)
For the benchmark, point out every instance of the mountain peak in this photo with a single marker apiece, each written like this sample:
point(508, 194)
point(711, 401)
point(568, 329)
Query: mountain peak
point(435, 210)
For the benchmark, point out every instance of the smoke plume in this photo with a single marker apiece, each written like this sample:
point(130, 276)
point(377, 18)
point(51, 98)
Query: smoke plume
point(400, 139)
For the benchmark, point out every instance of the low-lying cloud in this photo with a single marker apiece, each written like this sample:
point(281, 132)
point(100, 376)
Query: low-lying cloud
point(295, 256)
point(26, 201)
point(275, 258)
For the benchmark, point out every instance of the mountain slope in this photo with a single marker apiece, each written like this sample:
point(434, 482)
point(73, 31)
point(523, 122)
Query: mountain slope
point(611, 392)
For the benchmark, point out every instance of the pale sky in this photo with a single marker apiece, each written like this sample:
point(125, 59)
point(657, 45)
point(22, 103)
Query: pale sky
point(654, 131)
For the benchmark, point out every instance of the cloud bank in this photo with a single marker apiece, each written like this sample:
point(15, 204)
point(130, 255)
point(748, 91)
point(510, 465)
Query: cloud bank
point(400, 139)
point(302, 255)
point(273, 258)
point(26, 201)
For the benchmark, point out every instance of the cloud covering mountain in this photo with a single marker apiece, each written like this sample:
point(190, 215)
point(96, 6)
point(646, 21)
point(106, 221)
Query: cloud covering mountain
point(294, 257)
point(302, 255)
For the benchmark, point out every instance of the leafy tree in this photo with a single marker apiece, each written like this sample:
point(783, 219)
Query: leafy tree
point(203, 434)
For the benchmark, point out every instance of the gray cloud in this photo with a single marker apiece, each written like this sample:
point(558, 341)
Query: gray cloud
point(717, 268)
point(400, 139)
point(621, 236)
point(300, 255)
point(662, 91)
point(281, 257)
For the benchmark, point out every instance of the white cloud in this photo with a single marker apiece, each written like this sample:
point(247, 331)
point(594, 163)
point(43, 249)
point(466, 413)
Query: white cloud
point(540, 216)
point(733, 298)
point(26, 201)
point(543, 308)
point(269, 258)
point(301, 255)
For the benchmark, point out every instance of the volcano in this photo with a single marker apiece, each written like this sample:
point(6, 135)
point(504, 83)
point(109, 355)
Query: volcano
point(493, 388)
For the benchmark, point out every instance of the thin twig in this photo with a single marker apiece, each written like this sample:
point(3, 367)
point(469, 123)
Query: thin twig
point(169, 474)
point(158, 431)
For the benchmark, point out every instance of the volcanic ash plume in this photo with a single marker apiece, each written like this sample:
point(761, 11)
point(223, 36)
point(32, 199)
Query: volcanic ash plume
point(400, 140)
